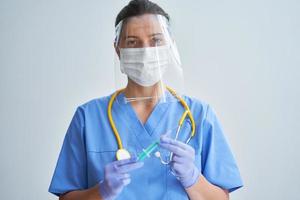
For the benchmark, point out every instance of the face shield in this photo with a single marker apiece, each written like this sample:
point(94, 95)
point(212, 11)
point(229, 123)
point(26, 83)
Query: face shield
point(147, 60)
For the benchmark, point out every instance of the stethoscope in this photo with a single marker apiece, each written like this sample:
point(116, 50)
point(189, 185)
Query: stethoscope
point(122, 153)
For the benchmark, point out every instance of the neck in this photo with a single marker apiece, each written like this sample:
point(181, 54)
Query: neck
point(134, 90)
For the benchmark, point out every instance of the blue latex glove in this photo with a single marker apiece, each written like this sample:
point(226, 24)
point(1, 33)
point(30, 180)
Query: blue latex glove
point(116, 177)
point(182, 163)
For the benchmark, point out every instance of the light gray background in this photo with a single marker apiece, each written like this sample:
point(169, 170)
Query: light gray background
point(240, 56)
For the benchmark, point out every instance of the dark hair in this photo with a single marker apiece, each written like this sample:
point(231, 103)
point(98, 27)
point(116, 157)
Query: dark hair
point(140, 7)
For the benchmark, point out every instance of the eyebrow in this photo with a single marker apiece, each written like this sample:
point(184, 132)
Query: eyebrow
point(154, 34)
point(151, 35)
point(131, 36)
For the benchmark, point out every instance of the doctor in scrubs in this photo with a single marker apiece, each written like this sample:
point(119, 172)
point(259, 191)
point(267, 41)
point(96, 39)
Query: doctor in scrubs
point(146, 140)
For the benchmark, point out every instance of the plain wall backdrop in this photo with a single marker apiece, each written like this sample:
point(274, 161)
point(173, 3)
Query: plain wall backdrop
point(242, 57)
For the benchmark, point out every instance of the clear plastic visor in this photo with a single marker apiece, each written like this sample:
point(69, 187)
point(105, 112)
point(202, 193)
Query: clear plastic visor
point(147, 63)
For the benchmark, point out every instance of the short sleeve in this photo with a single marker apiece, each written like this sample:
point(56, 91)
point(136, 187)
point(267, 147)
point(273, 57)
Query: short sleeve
point(70, 170)
point(218, 164)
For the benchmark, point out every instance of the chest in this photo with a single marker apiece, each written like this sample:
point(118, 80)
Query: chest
point(154, 179)
point(142, 113)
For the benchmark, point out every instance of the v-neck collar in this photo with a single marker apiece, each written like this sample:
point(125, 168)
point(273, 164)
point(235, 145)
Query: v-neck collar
point(154, 118)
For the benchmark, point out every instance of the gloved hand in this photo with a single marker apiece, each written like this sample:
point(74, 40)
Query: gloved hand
point(116, 177)
point(182, 163)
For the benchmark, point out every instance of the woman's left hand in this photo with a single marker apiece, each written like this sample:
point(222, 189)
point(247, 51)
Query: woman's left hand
point(182, 162)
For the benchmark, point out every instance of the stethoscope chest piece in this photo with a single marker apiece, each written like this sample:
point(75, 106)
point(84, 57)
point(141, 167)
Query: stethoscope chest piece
point(122, 154)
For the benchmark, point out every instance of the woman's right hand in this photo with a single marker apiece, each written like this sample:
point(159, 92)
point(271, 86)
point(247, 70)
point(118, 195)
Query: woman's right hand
point(116, 177)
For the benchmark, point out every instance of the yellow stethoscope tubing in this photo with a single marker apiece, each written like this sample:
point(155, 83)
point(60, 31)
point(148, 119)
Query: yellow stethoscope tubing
point(111, 121)
point(116, 133)
point(187, 111)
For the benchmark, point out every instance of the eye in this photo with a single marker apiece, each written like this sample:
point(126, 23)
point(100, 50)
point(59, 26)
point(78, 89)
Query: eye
point(157, 41)
point(131, 43)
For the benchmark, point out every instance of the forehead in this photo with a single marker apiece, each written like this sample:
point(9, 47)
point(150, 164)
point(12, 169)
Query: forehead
point(147, 23)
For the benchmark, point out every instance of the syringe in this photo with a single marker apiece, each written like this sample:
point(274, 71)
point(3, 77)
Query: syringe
point(146, 152)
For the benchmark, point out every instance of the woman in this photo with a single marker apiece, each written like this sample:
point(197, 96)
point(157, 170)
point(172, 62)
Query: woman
point(104, 154)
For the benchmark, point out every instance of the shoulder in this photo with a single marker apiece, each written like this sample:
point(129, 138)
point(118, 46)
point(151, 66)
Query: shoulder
point(195, 101)
point(201, 109)
point(93, 106)
point(94, 103)
point(196, 105)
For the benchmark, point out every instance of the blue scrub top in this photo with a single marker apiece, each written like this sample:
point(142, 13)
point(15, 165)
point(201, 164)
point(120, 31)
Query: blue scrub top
point(90, 144)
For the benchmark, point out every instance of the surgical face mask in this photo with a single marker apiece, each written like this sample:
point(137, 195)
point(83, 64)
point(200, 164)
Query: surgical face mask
point(145, 66)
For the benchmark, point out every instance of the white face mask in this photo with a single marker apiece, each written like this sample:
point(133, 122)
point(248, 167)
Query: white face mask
point(145, 66)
